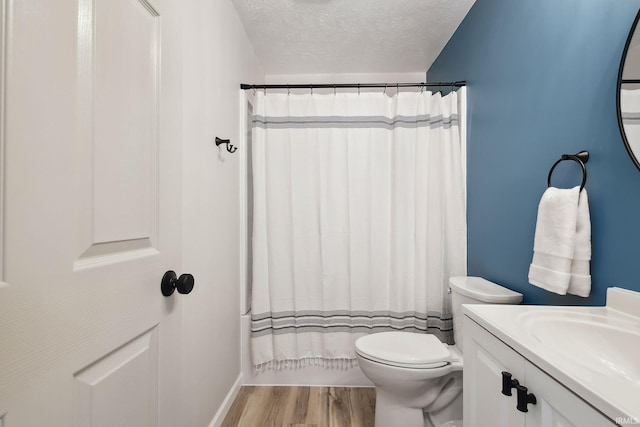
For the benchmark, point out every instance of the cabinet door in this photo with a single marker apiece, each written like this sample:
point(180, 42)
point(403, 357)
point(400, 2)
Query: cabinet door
point(557, 406)
point(485, 357)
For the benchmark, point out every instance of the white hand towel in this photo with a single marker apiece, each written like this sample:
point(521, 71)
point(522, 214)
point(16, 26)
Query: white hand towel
point(580, 283)
point(554, 242)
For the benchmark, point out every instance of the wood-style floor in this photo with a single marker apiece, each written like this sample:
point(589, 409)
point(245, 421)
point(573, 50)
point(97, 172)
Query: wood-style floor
point(302, 407)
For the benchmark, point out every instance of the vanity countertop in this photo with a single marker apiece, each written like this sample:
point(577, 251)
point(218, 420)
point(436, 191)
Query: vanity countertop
point(593, 351)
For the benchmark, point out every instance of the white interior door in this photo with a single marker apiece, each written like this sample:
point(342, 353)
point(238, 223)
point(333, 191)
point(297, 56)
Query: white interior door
point(90, 209)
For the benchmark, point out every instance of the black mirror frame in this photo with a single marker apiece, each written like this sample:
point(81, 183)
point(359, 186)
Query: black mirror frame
point(619, 88)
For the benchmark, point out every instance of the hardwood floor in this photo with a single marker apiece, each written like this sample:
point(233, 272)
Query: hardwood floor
point(302, 407)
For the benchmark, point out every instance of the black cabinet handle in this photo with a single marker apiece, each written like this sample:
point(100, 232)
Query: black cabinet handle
point(524, 398)
point(508, 383)
point(170, 282)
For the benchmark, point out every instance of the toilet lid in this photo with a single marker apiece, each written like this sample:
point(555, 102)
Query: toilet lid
point(405, 349)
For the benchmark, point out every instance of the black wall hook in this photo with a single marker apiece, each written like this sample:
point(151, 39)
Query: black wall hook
point(230, 148)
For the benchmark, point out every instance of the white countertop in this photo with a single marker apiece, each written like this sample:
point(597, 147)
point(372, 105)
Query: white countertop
point(612, 394)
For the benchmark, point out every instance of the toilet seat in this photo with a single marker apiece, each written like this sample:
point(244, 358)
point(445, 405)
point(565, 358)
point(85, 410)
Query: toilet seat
point(404, 349)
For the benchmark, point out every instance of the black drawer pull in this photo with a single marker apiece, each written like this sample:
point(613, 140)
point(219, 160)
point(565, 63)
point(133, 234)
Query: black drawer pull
point(524, 398)
point(508, 383)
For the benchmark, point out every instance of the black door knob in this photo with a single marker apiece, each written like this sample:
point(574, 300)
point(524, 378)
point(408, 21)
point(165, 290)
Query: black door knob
point(170, 282)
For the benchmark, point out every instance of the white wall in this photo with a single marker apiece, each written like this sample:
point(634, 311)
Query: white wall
point(217, 57)
point(346, 78)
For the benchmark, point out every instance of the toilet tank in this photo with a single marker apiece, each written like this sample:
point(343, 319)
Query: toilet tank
point(476, 290)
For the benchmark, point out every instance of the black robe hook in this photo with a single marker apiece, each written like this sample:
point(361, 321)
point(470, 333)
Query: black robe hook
point(230, 148)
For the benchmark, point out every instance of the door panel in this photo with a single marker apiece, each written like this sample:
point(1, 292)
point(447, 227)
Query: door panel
point(125, 379)
point(125, 112)
point(119, 44)
point(91, 219)
point(485, 358)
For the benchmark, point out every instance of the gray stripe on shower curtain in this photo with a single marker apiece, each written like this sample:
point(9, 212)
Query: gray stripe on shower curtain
point(440, 325)
point(631, 118)
point(295, 122)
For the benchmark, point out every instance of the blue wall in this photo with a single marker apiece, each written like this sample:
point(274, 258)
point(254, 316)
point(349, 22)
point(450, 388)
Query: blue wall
point(541, 76)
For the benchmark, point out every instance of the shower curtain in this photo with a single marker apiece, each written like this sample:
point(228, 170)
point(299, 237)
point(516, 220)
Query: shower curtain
point(630, 108)
point(359, 221)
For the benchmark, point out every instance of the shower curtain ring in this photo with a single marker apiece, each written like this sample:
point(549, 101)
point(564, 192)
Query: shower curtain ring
point(422, 87)
point(311, 89)
point(334, 90)
point(397, 88)
point(385, 89)
point(264, 91)
point(358, 89)
point(288, 90)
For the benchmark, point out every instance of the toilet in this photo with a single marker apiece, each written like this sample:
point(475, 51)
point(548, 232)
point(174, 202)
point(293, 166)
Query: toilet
point(415, 374)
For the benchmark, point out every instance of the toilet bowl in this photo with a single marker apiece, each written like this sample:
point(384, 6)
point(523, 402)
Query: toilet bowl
point(414, 373)
point(411, 372)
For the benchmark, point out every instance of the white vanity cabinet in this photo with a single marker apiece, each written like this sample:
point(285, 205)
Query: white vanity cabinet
point(485, 360)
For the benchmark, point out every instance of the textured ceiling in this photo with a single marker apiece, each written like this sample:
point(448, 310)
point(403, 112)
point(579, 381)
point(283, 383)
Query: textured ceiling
point(349, 36)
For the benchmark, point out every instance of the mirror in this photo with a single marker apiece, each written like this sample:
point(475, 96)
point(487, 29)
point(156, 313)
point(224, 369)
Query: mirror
point(628, 94)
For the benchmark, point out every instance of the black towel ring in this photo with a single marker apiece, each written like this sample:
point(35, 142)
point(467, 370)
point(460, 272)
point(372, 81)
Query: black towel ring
point(581, 158)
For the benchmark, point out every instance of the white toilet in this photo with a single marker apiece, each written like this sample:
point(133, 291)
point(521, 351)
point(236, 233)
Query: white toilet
point(415, 374)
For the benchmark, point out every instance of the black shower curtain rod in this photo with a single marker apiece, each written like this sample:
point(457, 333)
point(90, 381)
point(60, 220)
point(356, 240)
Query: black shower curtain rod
point(353, 85)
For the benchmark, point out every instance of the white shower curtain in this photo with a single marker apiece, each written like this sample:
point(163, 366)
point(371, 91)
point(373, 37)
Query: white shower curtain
point(630, 108)
point(359, 221)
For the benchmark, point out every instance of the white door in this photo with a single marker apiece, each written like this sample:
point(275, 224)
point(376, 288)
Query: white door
point(90, 210)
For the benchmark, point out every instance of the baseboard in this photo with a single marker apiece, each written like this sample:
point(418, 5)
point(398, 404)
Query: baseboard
point(218, 418)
